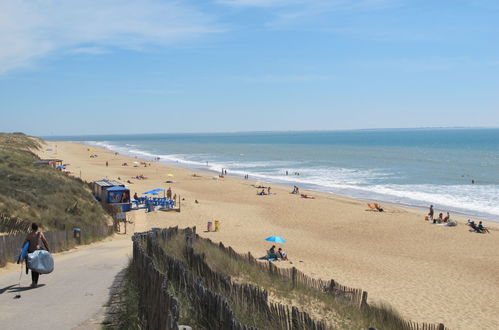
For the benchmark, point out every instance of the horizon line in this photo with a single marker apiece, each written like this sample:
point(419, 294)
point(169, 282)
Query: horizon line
point(276, 131)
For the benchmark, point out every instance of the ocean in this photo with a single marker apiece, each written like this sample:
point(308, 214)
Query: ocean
point(412, 167)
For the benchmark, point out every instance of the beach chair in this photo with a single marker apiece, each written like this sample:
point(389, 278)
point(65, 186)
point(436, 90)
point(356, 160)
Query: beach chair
point(378, 207)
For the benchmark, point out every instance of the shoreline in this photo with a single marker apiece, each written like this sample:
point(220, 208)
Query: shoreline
point(484, 216)
point(428, 273)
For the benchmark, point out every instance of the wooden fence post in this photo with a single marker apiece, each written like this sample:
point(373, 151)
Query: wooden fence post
point(293, 276)
point(441, 326)
point(363, 301)
point(332, 284)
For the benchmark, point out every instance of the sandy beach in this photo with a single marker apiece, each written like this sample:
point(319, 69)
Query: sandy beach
point(429, 273)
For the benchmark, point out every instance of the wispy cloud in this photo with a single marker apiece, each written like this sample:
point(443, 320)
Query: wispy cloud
point(287, 78)
point(290, 11)
point(33, 29)
point(89, 50)
point(367, 4)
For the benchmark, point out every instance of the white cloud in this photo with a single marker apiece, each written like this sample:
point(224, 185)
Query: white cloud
point(33, 29)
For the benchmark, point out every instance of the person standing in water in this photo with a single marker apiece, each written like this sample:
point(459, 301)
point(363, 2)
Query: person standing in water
point(35, 239)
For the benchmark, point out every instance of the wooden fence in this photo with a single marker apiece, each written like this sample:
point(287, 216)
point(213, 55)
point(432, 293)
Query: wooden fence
point(59, 240)
point(13, 225)
point(211, 294)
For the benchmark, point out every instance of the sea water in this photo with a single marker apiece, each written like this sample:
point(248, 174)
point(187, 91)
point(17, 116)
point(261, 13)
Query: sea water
point(415, 167)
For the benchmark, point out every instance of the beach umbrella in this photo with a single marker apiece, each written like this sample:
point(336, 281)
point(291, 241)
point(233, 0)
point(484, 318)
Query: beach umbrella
point(151, 192)
point(61, 166)
point(169, 174)
point(276, 239)
point(160, 189)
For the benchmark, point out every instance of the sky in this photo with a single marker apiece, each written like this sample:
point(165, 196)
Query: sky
point(157, 66)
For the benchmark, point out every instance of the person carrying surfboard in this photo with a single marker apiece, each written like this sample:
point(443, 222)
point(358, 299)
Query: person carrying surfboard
point(35, 239)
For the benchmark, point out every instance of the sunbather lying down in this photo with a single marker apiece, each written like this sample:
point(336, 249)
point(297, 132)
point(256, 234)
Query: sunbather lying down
point(307, 196)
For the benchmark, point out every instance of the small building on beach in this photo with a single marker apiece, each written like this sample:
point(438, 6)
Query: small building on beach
point(112, 192)
point(49, 162)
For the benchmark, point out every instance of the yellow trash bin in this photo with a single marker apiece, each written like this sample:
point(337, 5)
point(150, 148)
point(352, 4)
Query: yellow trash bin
point(217, 225)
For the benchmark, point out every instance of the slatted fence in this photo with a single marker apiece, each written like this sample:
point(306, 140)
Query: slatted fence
point(59, 240)
point(211, 294)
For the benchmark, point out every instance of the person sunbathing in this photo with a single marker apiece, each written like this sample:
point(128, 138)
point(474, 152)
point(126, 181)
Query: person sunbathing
point(271, 254)
point(472, 224)
point(481, 228)
point(307, 196)
point(282, 255)
point(378, 207)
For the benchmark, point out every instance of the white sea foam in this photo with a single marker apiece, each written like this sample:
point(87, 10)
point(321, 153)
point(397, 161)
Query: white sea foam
point(481, 200)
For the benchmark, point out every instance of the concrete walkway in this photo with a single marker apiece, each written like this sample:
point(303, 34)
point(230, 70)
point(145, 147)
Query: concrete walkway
point(72, 296)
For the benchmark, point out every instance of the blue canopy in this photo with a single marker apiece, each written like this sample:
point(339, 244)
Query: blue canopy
point(61, 166)
point(117, 188)
point(277, 239)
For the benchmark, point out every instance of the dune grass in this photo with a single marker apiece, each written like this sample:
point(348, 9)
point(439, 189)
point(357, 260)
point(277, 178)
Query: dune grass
point(42, 194)
point(337, 314)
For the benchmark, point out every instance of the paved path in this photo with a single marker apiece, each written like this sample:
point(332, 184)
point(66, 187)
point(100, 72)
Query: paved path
point(72, 296)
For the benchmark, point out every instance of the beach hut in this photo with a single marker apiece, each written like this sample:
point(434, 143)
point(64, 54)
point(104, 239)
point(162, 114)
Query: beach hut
point(111, 192)
point(99, 188)
point(54, 163)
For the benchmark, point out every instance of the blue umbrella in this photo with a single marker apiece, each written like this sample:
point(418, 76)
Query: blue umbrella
point(151, 192)
point(61, 166)
point(276, 239)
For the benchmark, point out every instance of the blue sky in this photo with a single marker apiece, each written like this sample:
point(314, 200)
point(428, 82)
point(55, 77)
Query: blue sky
point(109, 66)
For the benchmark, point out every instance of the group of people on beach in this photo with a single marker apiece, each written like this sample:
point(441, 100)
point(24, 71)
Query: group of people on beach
point(294, 173)
point(480, 228)
point(440, 219)
point(262, 193)
point(296, 190)
point(273, 255)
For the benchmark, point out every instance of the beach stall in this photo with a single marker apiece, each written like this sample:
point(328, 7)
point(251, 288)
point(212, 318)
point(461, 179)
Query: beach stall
point(113, 193)
point(99, 188)
point(118, 195)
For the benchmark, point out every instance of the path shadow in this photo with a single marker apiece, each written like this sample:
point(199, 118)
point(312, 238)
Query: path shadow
point(7, 288)
point(15, 288)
